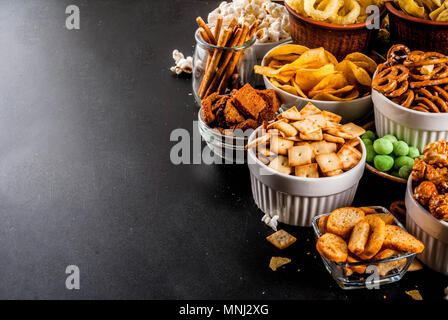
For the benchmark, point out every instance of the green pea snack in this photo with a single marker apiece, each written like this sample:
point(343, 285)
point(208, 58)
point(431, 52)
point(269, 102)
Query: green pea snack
point(390, 137)
point(413, 152)
point(383, 146)
point(401, 148)
point(403, 161)
point(383, 162)
point(388, 154)
point(370, 154)
point(369, 134)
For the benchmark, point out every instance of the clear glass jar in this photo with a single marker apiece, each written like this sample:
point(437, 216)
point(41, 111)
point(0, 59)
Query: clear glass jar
point(234, 69)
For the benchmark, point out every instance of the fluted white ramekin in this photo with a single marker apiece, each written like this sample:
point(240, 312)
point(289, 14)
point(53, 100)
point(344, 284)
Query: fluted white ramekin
point(297, 200)
point(415, 127)
point(432, 232)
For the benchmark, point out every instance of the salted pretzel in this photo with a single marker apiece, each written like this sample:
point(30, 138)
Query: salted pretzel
point(388, 79)
point(414, 79)
point(393, 57)
point(441, 104)
point(426, 103)
point(405, 99)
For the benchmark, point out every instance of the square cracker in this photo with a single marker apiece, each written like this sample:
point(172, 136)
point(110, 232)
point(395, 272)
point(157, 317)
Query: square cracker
point(353, 142)
point(281, 239)
point(353, 129)
point(331, 117)
point(328, 162)
point(281, 165)
point(290, 114)
point(349, 157)
point(319, 119)
point(307, 171)
point(339, 133)
point(314, 136)
point(306, 126)
point(320, 147)
point(285, 127)
point(309, 109)
point(280, 145)
point(300, 155)
point(334, 139)
point(333, 173)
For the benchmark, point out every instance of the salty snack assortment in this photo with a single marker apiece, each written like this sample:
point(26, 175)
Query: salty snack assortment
point(309, 143)
point(414, 79)
point(316, 74)
point(388, 154)
point(220, 68)
point(357, 235)
point(246, 108)
point(435, 10)
point(334, 11)
point(272, 18)
point(430, 177)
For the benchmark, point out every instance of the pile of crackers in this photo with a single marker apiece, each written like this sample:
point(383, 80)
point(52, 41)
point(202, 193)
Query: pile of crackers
point(309, 144)
point(362, 234)
point(246, 108)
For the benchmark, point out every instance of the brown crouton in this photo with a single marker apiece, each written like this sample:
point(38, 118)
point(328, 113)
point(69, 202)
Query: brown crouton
point(207, 104)
point(248, 102)
point(231, 114)
point(247, 124)
point(271, 99)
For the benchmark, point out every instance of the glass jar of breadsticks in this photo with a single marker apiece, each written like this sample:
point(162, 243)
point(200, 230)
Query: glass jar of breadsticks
point(224, 58)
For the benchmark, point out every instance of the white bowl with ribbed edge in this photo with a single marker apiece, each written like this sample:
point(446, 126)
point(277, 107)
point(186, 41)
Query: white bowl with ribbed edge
point(297, 200)
point(431, 231)
point(415, 127)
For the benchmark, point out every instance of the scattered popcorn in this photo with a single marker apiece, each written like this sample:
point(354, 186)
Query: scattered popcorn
point(182, 64)
point(271, 221)
point(273, 17)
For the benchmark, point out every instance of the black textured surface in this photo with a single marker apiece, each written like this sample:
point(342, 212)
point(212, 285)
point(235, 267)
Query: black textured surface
point(86, 178)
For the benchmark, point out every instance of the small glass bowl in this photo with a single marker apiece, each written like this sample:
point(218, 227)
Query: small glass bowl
point(243, 72)
point(345, 276)
point(230, 147)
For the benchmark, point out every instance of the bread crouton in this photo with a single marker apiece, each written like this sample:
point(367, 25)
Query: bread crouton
point(248, 102)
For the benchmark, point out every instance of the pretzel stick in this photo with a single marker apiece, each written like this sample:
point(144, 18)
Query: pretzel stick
point(206, 39)
point(233, 62)
point(214, 62)
point(201, 23)
point(216, 79)
point(217, 28)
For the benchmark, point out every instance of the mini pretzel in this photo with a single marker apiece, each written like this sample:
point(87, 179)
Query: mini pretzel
point(429, 58)
point(406, 99)
point(441, 92)
point(426, 83)
point(428, 103)
point(441, 104)
point(412, 58)
point(402, 88)
point(392, 56)
point(398, 208)
point(387, 80)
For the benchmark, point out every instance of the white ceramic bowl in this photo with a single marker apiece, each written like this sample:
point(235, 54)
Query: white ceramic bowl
point(415, 127)
point(432, 232)
point(349, 110)
point(297, 200)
